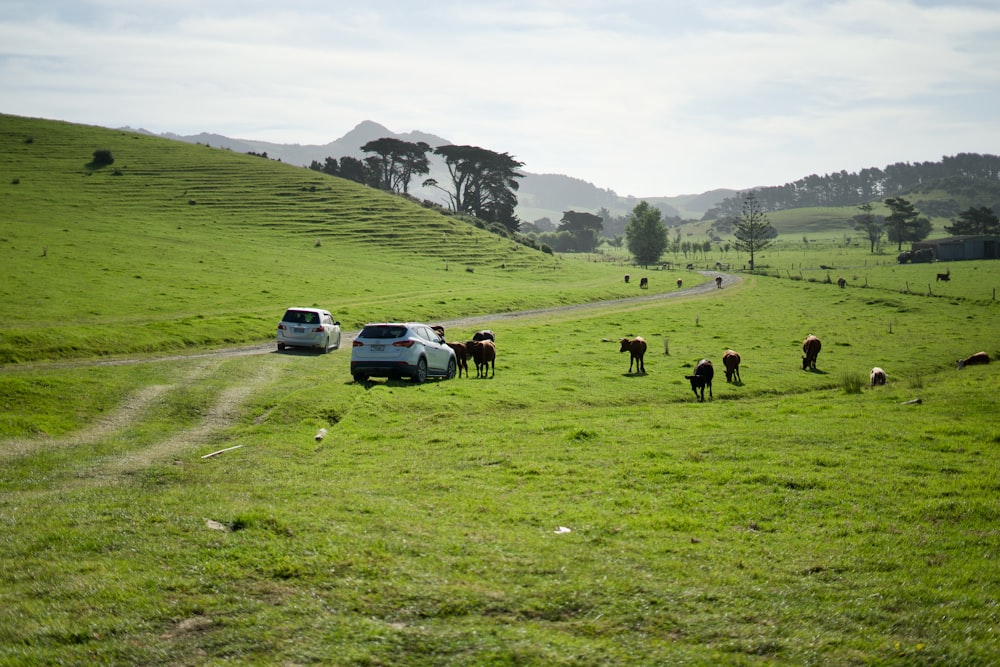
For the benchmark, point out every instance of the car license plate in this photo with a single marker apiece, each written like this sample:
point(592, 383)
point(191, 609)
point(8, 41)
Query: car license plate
point(298, 330)
point(378, 347)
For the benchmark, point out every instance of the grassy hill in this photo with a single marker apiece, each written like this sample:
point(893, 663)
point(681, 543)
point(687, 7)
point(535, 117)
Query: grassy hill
point(176, 245)
point(267, 509)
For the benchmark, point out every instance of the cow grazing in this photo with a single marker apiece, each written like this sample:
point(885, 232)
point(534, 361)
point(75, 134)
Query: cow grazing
point(461, 357)
point(841, 283)
point(811, 347)
point(877, 376)
point(974, 360)
point(644, 282)
point(485, 334)
point(679, 283)
point(718, 281)
point(484, 355)
point(731, 360)
point(702, 378)
point(946, 276)
point(627, 278)
point(636, 347)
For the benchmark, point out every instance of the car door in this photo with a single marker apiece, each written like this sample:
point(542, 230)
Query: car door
point(437, 351)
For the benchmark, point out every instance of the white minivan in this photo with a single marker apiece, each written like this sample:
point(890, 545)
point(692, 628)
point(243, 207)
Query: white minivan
point(308, 327)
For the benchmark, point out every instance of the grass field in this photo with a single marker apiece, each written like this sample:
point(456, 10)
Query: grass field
point(564, 512)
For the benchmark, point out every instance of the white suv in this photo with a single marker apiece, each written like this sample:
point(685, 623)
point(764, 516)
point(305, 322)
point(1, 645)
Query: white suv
point(308, 327)
point(398, 349)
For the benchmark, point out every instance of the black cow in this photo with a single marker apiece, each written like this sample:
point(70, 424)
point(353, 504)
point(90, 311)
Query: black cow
point(703, 374)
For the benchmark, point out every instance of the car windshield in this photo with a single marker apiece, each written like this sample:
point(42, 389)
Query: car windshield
point(384, 331)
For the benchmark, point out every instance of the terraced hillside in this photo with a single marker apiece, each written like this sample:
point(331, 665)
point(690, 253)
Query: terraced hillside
point(177, 245)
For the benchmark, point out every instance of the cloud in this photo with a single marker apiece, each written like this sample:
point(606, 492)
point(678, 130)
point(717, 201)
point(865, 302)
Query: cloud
point(647, 98)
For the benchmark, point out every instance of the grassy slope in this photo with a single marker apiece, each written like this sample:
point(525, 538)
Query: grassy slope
point(785, 521)
point(177, 245)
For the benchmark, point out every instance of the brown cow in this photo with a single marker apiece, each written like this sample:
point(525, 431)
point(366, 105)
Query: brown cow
point(974, 360)
point(811, 347)
point(703, 374)
point(877, 376)
point(637, 350)
point(484, 354)
point(731, 360)
point(461, 356)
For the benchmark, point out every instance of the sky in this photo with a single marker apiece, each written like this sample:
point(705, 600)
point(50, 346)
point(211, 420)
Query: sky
point(647, 98)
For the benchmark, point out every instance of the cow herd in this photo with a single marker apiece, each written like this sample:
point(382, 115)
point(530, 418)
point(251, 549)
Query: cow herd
point(482, 349)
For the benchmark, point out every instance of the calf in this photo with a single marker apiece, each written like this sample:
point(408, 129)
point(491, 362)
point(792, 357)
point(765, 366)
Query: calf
point(811, 347)
point(702, 377)
point(644, 282)
point(627, 278)
point(679, 283)
point(636, 347)
point(974, 360)
point(484, 354)
point(946, 276)
point(718, 281)
point(842, 283)
point(731, 360)
point(461, 356)
point(877, 376)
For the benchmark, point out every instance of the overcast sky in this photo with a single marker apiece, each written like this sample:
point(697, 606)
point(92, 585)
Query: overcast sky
point(645, 97)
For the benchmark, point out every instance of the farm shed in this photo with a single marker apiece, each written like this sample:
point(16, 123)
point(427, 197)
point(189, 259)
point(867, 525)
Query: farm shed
point(962, 247)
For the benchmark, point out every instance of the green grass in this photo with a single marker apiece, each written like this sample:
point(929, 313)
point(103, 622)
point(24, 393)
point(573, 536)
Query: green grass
point(796, 518)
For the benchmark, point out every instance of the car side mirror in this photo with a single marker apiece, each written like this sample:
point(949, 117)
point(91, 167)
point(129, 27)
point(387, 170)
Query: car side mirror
point(336, 324)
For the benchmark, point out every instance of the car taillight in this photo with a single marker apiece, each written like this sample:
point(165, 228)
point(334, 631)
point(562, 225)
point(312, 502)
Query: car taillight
point(357, 343)
point(403, 343)
point(281, 326)
point(317, 329)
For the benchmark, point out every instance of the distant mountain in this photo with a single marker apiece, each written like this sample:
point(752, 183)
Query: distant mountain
point(539, 195)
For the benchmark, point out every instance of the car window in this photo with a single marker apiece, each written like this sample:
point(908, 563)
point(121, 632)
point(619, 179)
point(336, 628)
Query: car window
point(383, 331)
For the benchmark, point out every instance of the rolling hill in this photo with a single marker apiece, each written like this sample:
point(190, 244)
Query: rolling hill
point(165, 247)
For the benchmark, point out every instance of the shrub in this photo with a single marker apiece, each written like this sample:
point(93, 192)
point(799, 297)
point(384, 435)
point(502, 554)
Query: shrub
point(102, 158)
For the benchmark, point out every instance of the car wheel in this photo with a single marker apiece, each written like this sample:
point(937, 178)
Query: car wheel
point(281, 347)
point(421, 374)
point(452, 368)
point(337, 346)
point(360, 377)
point(326, 346)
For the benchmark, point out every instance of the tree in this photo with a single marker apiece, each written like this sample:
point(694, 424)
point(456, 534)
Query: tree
point(973, 221)
point(397, 162)
point(869, 224)
point(646, 234)
point(753, 231)
point(902, 223)
point(585, 228)
point(483, 183)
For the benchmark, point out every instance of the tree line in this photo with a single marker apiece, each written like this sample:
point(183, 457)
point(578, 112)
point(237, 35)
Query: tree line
point(483, 183)
point(853, 189)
